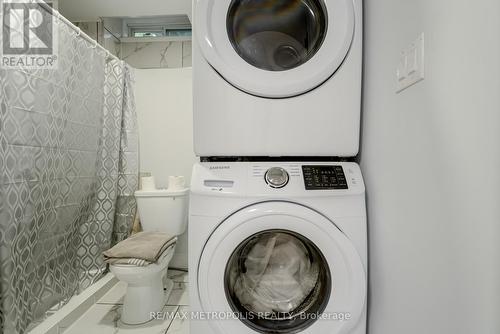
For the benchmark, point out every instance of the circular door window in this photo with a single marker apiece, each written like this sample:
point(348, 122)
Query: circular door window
point(277, 280)
point(274, 48)
point(277, 35)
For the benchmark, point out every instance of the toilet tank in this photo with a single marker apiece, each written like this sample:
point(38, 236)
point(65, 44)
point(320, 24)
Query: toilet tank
point(163, 210)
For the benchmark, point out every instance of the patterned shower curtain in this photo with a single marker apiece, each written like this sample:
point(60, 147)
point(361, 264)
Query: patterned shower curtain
point(114, 206)
point(69, 167)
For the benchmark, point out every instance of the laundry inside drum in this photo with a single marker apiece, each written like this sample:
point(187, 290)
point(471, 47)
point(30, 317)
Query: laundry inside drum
point(275, 278)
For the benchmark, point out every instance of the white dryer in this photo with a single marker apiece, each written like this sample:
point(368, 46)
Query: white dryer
point(277, 77)
point(277, 248)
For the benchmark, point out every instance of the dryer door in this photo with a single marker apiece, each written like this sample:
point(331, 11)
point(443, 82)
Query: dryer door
point(278, 267)
point(275, 48)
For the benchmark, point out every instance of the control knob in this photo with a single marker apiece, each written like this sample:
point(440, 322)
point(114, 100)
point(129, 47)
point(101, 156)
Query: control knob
point(277, 177)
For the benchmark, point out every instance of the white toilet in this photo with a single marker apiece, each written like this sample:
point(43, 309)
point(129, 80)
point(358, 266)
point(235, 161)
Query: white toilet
point(162, 211)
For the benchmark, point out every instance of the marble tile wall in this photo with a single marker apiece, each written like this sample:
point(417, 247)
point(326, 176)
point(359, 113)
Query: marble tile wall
point(93, 29)
point(112, 45)
point(141, 55)
point(157, 54)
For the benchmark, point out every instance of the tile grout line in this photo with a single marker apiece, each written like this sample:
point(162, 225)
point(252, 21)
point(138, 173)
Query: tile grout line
point(172, 321)
point(108, 303)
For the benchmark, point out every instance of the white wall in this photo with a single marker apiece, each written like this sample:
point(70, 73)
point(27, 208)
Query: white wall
point(431, 159)
point(164, 109)
point(88, 10)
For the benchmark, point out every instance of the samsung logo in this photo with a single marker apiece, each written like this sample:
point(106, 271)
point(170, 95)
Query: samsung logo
point(220, 167)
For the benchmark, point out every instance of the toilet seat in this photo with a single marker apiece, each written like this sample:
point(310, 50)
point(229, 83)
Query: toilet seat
point(131, 269)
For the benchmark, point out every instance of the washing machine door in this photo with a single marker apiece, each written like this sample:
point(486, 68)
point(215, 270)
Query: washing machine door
point(279, 267)
point(275, 48)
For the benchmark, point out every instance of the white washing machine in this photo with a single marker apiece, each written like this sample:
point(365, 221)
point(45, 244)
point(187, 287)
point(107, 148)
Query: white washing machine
point(277, 77)
point(277, 248)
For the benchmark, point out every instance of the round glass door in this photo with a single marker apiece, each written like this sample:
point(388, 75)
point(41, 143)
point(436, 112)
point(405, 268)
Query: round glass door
point(274, 48)
point(277, 35)
point(278, 280)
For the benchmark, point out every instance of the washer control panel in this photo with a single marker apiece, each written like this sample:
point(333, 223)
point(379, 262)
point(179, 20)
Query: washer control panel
point(277, 177)
point(277, 180)
point(324, 177)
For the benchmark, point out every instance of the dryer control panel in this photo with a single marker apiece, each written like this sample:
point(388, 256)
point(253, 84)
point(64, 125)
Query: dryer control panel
point(324, 177)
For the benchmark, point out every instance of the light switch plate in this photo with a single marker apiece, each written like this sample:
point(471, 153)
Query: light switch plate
point(411, 66)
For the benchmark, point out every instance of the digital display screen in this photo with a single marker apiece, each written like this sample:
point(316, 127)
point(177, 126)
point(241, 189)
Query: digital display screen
point(324, 178)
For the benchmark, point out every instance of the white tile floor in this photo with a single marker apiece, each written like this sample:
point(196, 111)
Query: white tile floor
point(104, 316)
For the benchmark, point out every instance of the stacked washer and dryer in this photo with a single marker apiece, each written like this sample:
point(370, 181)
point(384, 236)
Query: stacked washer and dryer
point(277, 229)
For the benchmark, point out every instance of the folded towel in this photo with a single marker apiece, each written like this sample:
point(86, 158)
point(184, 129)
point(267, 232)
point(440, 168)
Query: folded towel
point(140, 249)
point(130, 261)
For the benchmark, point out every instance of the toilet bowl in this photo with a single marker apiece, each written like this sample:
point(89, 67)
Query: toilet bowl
point(147, 291)
point(147, 287)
